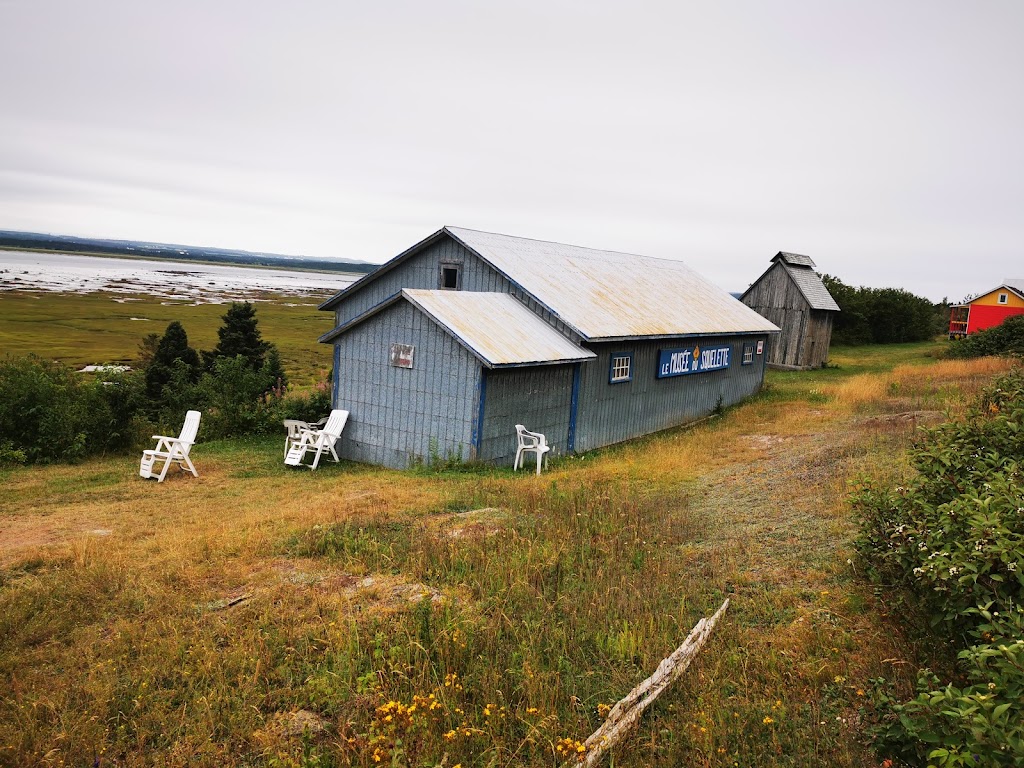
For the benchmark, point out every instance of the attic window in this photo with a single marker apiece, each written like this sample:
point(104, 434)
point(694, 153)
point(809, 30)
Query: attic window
point(1003, 298)
point(451, 277)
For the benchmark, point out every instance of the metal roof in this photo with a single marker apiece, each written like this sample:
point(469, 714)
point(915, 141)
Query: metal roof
point(795, 259)
point(606, 295)
point(495, 327)
point(812, 288)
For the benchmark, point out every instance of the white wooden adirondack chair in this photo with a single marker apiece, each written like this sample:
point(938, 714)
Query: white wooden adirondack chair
point(172, 450)
point(320, 441)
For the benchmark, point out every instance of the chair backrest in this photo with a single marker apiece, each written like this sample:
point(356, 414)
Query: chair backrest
point(190, 427)
point(335, 423)
point(294, 427)
point(527, 439)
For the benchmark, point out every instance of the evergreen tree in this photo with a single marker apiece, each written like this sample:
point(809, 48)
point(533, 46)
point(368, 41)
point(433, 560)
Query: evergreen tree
point(172, 350)
point(239, 335)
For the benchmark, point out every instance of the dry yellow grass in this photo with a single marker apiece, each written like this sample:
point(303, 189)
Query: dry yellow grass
point(121, 645)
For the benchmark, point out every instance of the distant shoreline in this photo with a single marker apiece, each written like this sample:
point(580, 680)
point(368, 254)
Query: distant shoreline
point(182, 259)
point(37, 242)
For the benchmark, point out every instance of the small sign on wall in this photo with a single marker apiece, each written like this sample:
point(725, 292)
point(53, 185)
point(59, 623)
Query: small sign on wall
point(402, 355)
point(760, 347)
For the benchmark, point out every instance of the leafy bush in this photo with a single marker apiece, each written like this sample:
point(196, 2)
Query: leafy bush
point(236, 398)
point(952, 544)
point(307, 406)
point(48, 412)
point(1007, 338)
point(981, 723)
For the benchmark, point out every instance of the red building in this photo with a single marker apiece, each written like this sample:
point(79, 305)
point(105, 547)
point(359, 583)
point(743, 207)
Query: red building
point(987, 310)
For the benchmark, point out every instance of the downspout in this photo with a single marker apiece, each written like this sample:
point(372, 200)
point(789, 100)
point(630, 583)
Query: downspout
point(336, 383)
point(478, 424)
point(573, 405)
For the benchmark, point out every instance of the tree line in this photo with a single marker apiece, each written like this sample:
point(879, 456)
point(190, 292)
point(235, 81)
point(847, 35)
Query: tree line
point(883, 315)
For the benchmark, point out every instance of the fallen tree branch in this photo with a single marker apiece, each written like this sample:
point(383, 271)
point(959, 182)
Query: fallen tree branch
point(627, 712)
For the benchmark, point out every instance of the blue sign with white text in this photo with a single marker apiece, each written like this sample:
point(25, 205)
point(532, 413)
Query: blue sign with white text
point(695, 359)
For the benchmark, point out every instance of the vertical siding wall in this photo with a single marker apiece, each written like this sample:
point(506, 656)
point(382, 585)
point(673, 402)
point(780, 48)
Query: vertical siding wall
point(817, 339)
point(423, 271)
point(776, 298)
point(398, 415)
point(538, 397)
point(610, 413)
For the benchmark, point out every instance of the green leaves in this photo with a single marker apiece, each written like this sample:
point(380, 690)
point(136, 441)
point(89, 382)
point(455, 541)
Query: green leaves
point(953, 541)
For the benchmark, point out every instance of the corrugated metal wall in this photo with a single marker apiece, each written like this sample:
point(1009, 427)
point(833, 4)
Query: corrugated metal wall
point(610, 413)
point(423, 271)
point(537, 397)
point(399, 415)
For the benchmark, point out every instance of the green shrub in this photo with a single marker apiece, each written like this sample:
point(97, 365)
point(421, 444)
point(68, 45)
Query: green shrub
point(980, 723)
point(310, 406)
point(237, 399)
point(951, 545)
point(1007, 338)
point(49, 412)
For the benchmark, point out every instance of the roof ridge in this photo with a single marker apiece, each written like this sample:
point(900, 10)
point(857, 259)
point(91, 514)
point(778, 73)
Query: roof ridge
point(448, 227)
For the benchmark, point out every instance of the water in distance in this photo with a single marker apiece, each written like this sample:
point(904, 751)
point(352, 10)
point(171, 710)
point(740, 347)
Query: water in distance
point(170, 280)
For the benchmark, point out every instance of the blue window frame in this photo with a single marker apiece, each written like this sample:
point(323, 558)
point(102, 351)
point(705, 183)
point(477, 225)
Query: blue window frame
point(620, 367)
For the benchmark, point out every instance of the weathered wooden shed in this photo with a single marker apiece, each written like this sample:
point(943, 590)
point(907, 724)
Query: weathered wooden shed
point(792, 296)
point(441, 351)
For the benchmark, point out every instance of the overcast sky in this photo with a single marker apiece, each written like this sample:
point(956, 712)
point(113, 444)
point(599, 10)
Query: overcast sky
point(883, 139)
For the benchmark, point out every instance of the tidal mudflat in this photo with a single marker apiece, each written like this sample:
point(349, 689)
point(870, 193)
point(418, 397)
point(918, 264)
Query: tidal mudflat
point(177, 281)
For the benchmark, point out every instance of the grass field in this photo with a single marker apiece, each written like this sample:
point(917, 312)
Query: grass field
point(95, 328)
point(361, 616)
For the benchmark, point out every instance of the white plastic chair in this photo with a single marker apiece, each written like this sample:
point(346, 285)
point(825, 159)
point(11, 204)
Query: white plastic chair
point(530, 441)
point(172, 450)
point(320, 441)
point(293, 431)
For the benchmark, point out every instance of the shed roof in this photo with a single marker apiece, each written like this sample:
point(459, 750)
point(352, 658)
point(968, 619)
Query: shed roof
point(602, 295)
point(812, 288)
point(794, 258)
point(496, 327)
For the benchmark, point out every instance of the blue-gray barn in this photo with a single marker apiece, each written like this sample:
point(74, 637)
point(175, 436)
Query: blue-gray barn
point(441, 351)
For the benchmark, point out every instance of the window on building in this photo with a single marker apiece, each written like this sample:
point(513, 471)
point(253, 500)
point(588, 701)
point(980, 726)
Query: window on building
point(621, 368)
point(1003, 298)
point(451, 277)
point(748, 354)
